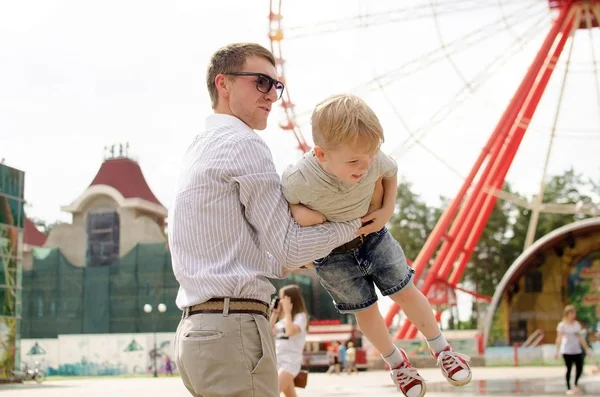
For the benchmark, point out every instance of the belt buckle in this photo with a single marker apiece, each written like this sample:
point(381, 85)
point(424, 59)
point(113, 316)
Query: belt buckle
point(361, 240)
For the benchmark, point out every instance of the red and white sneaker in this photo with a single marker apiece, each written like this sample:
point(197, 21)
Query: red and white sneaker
point(407, 379)
point(454, 366)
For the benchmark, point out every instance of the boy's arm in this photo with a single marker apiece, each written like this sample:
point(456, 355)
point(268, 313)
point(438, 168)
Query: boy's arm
point(294, 188)
point(305, 216)
point(377, 219)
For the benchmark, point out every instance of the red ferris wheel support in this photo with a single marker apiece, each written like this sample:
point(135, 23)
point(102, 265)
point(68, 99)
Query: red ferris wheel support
point(275, 37)
point(460, 226)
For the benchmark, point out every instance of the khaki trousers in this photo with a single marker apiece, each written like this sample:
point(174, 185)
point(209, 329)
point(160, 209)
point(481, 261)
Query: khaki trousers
point(227, 355)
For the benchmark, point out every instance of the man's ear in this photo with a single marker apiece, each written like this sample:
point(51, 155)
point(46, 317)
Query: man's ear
point(319, 153)
point(223, 85)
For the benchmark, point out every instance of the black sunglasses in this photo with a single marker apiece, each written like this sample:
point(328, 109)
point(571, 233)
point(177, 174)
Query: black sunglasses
point(264, 83)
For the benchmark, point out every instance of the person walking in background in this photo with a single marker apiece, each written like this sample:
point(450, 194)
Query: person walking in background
point(334, 358)
point(342, 353)
point(569, 343)
point(351, 359)
point(290, 336)
point(168, 365)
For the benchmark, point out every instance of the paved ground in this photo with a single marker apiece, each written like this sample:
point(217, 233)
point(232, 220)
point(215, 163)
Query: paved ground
point(526, 381)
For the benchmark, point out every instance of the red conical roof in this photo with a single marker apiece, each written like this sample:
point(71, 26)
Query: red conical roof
point(126, 176)
point(32, 236)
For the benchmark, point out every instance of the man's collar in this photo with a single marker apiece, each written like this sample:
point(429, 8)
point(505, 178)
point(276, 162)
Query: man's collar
point(220, 120)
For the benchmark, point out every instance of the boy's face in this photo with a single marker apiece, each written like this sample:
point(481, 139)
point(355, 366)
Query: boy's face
point(347, 163)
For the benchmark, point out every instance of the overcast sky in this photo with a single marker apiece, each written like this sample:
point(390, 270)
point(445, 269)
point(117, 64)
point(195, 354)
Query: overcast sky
point(78, 75)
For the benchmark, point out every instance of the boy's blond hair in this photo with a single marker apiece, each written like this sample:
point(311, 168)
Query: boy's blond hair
point(344, 119)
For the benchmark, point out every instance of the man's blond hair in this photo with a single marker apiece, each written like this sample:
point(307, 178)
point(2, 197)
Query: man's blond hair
point(231, 59)
point(343, 120)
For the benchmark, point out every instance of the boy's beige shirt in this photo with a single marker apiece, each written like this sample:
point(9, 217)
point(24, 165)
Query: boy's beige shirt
point(307, 183)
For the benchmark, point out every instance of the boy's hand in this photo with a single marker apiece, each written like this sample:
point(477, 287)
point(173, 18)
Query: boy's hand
point(374, 221)
point(305, 216)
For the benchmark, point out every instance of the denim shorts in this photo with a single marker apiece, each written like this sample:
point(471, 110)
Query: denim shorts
point(350, 277)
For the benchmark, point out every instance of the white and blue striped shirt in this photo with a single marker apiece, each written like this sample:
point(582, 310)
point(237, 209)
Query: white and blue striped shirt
point(229, 225)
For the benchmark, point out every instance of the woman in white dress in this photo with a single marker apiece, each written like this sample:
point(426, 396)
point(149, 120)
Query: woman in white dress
point(290, 336)
point(570, 343)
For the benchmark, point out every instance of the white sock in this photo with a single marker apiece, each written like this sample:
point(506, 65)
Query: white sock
point(393, 358)
point(438, 343)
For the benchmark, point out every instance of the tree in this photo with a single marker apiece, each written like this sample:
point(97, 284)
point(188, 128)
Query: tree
point(44, 226)
point(497, 247)
point(503, 238)
point(568, 188)
point(413, 220)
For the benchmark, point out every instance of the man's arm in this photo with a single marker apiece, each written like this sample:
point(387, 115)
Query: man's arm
point(267, 210)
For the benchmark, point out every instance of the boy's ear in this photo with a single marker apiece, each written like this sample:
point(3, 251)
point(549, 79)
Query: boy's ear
point(319, 153)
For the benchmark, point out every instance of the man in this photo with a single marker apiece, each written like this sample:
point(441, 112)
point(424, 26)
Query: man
point(230, 228)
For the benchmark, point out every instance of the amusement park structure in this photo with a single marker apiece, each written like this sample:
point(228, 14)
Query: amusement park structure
point(448, 249)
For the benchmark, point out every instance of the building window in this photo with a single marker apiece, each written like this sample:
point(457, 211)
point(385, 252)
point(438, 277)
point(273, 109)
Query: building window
point(518, 332)
point(533, 282)
point(103, 238)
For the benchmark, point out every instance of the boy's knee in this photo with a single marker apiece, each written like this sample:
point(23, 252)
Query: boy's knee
point(408, 292)
point(368, 312)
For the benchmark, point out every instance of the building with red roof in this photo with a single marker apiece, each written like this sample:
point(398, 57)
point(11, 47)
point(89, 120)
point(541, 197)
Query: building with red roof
point(114, 213)
point(32, 237)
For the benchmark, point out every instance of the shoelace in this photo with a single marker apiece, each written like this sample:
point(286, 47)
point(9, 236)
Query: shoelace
point(405, 375)
point(449, 360)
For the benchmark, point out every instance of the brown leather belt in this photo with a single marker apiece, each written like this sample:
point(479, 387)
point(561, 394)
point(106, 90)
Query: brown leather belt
point(231, 305)
point(349, 246)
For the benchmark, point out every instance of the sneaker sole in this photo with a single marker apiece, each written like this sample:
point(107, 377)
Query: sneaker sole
point(460, 382)
point(423, 389)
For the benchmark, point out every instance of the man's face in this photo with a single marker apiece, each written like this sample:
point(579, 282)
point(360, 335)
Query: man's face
point(245, 101)
point(347, 163)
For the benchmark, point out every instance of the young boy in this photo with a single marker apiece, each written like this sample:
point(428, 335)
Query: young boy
point(336, 182)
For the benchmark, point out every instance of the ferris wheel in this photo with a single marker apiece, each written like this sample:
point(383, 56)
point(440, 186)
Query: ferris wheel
point(477, 68)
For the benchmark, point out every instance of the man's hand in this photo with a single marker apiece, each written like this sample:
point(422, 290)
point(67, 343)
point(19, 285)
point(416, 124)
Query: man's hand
point(305, 216)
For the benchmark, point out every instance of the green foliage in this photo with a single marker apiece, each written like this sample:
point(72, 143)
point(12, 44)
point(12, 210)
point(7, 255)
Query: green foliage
point(413, 220)
point(503, 238)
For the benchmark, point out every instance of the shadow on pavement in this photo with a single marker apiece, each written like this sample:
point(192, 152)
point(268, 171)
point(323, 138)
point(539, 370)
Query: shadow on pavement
point(524, 387)
point(31, 385)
